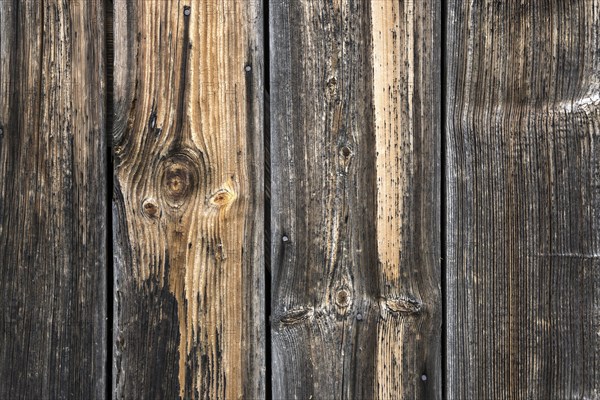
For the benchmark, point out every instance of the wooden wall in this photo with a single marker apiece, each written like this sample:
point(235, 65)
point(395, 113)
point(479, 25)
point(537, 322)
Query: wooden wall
point(299, 199)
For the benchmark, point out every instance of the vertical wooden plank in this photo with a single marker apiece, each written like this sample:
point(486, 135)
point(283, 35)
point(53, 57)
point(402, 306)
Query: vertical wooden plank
point(52, 200)
point(355, 199)
point(523, 152)
point(188, 205)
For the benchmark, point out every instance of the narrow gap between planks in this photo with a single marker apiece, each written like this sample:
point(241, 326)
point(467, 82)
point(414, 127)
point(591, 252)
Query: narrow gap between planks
point(267, 193)
point(109, 54)
point(443, 189)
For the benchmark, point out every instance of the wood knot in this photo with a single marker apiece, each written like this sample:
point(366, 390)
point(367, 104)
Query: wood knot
point(403, 306)
point(296, 316)
point(342, 298)
point(345, 152)
point(222, 198)
point(178, 179)
point(150, 208)
point(345, 158)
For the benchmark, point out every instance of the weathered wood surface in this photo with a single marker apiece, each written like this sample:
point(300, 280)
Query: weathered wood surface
point(52, 200)
point(355, 199)
point(188, 207)
point(523, 206)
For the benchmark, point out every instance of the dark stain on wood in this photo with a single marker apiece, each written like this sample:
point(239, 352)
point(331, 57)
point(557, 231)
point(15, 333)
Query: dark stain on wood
point(52, 200)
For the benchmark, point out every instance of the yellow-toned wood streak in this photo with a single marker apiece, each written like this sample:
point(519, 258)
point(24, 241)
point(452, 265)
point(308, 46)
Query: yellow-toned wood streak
point(52, 200)
point(393, 85)
point(188, 200)
point(523, 204)
point(406, 101)
point(355, 199)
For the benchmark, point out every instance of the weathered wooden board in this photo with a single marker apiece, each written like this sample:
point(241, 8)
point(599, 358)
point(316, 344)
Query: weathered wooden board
point(52, 200)
point(188, 208)
point(523, 206)
point(355, 199)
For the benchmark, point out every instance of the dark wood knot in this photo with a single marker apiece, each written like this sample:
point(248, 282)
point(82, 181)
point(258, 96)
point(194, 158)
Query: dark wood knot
point(342, 298)
point(179, 179)
point(150, 208)
point(400, 307)
point(296, 316)
point(345, 152)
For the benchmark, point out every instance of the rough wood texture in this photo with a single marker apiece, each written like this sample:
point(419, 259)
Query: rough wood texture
point(523, 278)
point(52, 200)
point(188, 203)
point(356, 308)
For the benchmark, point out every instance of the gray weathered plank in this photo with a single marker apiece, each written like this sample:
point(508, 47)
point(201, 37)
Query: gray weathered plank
point(52, 200)
point(523, 207)
point(355, 199)
point(188, 206)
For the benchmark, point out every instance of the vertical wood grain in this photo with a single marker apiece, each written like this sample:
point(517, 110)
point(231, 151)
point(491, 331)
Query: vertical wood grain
point(52, 200)
point(523, 203)
point(188, 203)
point(355, 201)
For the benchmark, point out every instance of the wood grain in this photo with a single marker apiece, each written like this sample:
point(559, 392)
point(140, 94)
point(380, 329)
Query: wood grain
point(523, 204)
point(188, 203)
point(52, 200)
point(355, 199)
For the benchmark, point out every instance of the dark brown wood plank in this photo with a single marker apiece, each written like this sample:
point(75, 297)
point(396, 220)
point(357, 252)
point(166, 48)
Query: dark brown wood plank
point(52, 200)
point(188, 208)
point(355, 199)
point(523, 207)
